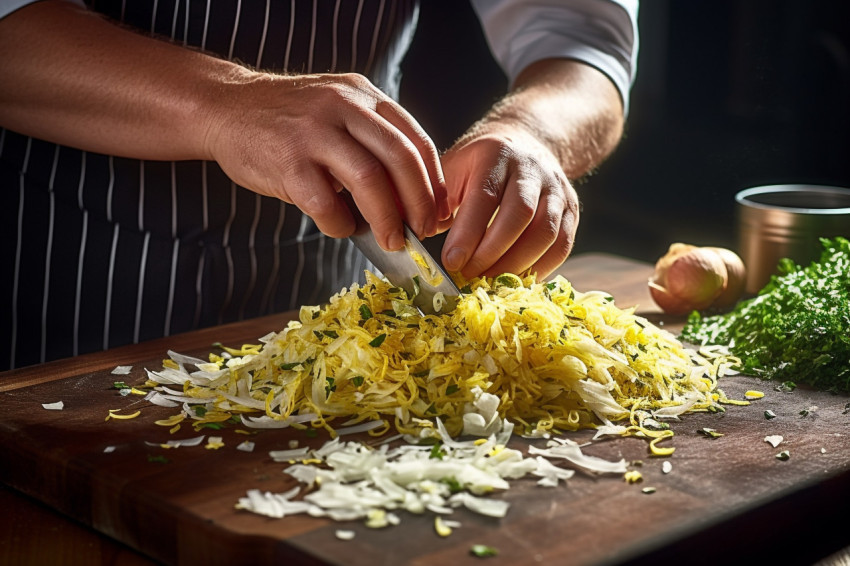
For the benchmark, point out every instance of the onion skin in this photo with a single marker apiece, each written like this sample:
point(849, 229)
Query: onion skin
point(668, 302)
point(690, 278)
point(736, 273)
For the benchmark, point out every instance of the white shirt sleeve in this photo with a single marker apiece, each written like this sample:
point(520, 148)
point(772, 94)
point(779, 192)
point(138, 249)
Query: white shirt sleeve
point(601, 33)
point(9, 6)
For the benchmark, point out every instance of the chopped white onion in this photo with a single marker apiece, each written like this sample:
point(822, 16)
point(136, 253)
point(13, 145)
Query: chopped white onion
point(363, 427)
point(572, 453)
point(268, 422)
point(196, 441)
point(158, 398)
point(287, 455)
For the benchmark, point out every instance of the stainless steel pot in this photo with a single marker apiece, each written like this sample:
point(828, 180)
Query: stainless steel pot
point(781, 221)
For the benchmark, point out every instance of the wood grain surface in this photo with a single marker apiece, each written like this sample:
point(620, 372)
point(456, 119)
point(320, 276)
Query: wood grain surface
point(727, 499)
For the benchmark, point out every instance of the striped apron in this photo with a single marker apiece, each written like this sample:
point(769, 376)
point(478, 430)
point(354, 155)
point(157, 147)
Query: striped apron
point(102, 251)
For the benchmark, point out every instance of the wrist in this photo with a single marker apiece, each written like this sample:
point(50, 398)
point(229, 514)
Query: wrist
point(217, 104)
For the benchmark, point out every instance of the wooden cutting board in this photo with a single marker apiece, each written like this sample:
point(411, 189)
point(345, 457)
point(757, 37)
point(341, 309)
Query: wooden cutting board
point(726, 499)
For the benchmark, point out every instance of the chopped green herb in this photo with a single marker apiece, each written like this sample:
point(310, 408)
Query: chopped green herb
point(710, 433)
point(158, 459)
point(120, 385)
point(330, 386)
point(784, 455)
point(454, 485)
point(466, 289)
point(365, 312)
point(289, 366)
point(796, 325)
point(436, 451)
point(378, 340)
point(452, 389)
point(214, 426)
point(786, 387)
point(483, 551)
point(357, 380)
point(508, 281)
point(330, 333)
point(769, 414)
point(200, 410)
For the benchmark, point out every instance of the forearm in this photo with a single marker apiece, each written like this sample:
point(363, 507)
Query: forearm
point(569, 107)
point(72, 77)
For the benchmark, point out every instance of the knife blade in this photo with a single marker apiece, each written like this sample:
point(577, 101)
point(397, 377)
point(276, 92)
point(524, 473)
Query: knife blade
point(412, 268)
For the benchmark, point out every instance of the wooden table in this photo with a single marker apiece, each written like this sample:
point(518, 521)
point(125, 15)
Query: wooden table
point(65, 501)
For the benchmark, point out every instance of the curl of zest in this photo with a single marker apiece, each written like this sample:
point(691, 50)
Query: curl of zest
point(556, 358)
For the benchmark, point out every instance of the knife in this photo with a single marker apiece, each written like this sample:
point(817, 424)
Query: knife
point(409, 268)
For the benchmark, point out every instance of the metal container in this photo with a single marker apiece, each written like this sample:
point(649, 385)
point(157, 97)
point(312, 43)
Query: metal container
point(780, 221)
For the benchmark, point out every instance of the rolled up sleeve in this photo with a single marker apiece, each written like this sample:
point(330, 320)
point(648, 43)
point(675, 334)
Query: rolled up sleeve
point(9, 6)
point(600, 33)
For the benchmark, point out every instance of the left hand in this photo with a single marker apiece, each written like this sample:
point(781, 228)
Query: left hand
point(507, 172)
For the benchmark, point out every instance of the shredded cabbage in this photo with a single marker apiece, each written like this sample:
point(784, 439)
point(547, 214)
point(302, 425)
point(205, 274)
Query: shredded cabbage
point(554, 358)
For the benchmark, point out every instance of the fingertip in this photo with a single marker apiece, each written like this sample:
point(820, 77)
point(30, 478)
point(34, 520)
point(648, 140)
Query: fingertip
point(394, 242)
point(454, 259)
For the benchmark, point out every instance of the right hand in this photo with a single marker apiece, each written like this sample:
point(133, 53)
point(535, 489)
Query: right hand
point(302, 138)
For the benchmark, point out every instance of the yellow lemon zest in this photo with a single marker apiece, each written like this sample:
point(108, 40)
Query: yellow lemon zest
point(113, 414)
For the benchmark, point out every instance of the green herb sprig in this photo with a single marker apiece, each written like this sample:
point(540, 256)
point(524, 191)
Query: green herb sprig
point(798, 326)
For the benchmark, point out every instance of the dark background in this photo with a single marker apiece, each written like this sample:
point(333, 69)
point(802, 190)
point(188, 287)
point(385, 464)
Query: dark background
point(729, 94)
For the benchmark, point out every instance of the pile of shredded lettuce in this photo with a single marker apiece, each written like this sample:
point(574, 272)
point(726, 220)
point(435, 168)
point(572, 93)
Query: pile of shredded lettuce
point(551, 358)
point(797, 327)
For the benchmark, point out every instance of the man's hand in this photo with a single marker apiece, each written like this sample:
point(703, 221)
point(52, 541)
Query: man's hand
point(72, 77)
point(303, 138)
point(515, 206)
point(509, 176)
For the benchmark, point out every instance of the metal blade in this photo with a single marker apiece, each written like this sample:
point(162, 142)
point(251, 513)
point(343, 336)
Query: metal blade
point(409, 266)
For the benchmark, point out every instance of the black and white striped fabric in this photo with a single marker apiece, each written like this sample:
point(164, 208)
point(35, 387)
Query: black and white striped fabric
point(101, 251)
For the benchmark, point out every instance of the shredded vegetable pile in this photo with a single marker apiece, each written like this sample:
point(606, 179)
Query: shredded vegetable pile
point(798, 326)
point(357, 481)
point(551, 359)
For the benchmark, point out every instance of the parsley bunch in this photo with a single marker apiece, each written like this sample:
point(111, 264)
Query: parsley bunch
point(797, 327)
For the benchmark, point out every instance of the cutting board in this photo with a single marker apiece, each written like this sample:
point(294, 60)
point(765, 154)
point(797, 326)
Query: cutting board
point(726, 499)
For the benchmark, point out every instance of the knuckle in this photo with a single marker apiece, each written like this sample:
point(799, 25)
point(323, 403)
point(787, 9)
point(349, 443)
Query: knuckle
point(548, 232)
point(491, 191)
point(367, 172)
point(401, 153)
point(317, 204)
point(524, 210)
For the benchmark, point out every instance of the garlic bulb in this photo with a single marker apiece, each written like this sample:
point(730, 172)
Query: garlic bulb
point(691, 278)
